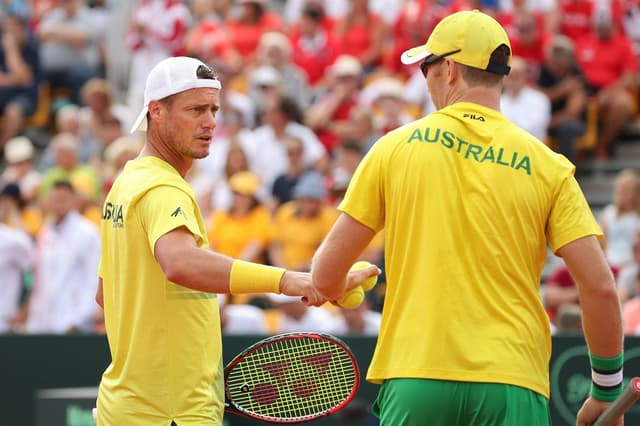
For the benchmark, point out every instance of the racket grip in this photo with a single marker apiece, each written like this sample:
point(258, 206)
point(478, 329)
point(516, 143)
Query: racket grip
point(620, 406)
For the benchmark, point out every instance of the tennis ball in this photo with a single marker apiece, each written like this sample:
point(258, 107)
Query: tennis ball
point(369, 282)
point(352, 298)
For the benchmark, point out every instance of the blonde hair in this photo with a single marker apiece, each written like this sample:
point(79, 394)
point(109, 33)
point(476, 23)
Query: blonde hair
point(623, 176)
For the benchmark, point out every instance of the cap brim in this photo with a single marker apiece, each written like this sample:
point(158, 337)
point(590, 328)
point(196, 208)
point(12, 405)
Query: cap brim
point(415, 54)
point(141, 121)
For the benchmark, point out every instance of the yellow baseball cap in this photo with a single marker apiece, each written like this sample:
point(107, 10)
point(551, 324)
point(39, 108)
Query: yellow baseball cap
point(467, 37)
point(245, 183)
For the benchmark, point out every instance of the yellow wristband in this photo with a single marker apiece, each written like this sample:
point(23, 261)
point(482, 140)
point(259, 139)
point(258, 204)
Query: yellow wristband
point(247, 277)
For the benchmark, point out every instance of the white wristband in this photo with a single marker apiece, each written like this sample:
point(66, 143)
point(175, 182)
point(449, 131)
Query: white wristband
point(607, 380)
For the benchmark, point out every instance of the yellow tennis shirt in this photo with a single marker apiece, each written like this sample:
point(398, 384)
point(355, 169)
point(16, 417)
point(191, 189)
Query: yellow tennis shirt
point(164, 338)
point(469, 202)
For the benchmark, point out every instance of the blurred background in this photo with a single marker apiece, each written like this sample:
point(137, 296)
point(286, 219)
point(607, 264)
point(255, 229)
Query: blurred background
point(308, 87)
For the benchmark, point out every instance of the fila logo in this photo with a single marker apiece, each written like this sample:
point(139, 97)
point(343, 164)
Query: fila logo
point(473, 117)
point(178, 211)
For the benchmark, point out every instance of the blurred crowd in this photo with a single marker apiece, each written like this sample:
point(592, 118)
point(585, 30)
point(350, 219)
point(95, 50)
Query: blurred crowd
point(308, 87)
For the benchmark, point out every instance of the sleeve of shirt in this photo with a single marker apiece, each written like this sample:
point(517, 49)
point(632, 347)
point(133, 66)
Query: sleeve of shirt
point(365, 200)
point(570, 218)
point(165, 208)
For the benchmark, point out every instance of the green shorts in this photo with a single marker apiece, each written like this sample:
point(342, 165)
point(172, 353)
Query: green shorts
point(419, 402)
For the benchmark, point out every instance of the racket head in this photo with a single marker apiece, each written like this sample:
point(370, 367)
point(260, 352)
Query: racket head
point(292, 378)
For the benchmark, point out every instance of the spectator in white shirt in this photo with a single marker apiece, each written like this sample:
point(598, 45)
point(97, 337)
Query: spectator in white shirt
point(157, 30)
point(67, 257)
point(628, 275)
point(268, 151)
point(69, 46)
point(274, 50)
point(359, 321)
point(298, 317)
point(525, 106)
point(19, 154)
point(620, 219)
point(241, 318)
point(16, 256)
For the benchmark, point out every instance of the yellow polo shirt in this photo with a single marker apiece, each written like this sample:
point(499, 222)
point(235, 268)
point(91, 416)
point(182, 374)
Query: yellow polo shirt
point(469, 202)
point(164, 338)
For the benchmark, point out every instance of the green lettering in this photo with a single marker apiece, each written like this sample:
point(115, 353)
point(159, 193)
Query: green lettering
point(427, 132)
point(473, 150)
point(461, 143)
point(513, 159)
point(417, 134)
point(499, 160)
point(488, 155)
point(525, 163)
point(447, 139)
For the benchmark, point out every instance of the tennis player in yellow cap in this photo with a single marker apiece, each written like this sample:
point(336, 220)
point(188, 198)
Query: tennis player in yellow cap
point(469, 203)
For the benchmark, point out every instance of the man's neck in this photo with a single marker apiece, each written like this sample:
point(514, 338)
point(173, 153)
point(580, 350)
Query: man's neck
point(481, 95)
point(158, 148)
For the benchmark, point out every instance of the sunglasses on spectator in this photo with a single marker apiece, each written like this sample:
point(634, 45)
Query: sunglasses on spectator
point(432, 59)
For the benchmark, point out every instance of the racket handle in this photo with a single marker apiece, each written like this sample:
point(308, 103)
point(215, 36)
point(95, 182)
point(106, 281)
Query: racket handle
point(620, 406)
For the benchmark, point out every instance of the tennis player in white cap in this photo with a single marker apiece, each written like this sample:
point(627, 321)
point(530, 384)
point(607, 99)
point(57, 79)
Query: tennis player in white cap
point(157, 276)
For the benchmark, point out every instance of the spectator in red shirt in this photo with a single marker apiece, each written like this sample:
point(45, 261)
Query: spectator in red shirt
point(417, 19)
point(157, 30)
point(487, 7)
point(329, 117)
point(508, 18)
point(530, 42)
point(361, 34)
point(254, 20)
point(574, 18)
point(609, 64)
point(208, 39)
point(560, 290)
point(314, 46)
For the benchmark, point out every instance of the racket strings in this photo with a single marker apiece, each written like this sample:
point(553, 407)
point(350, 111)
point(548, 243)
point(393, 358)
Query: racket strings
point(322, 393)
point(292, 378)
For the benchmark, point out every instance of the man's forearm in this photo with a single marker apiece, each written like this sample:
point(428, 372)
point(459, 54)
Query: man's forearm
point(602, 322)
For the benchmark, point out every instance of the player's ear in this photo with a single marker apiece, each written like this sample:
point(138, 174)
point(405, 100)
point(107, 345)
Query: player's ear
point(155, 109)
point(453, 71)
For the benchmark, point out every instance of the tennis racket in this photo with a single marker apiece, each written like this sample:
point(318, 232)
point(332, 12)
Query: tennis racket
point(620, 406)
point(291, 378)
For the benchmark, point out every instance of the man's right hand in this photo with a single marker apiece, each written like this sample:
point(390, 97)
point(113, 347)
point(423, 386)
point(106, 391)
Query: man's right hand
point(357, 277)
point(591, 410)
point(299, 284)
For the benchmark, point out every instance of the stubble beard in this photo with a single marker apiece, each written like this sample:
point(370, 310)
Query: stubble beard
point(190, 152)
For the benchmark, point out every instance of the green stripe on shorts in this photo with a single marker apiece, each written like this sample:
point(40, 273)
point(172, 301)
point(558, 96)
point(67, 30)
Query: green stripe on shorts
point(420, 402)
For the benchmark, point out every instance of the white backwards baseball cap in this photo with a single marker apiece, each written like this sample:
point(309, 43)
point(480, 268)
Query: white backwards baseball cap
point(171, 76)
